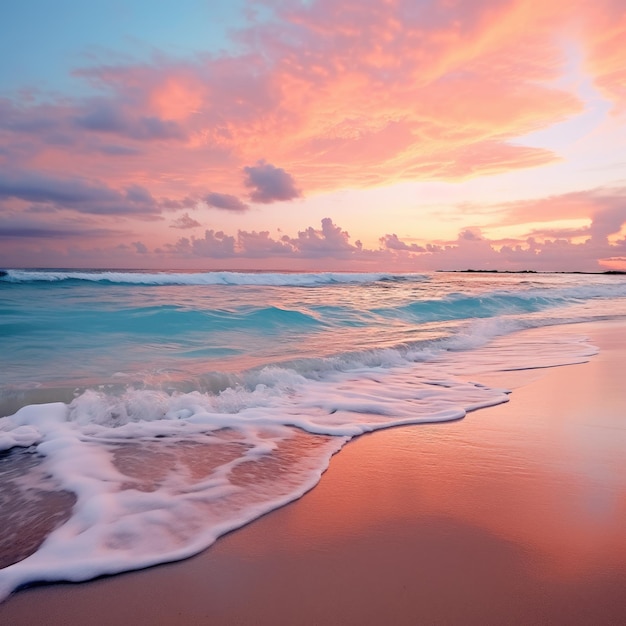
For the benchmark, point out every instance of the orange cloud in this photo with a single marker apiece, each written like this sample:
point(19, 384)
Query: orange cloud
point(335, 95)
point(71, 243)
point(604, 206)
point(407, 97)
point(349, 94)
point(605, 38)
point(177, 98)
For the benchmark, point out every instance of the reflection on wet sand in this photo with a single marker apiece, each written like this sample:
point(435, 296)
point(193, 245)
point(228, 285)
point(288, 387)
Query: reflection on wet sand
point(514, 515)
point(31, 505)
point(546, 472)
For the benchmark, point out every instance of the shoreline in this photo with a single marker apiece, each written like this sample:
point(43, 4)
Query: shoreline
point(513, 515)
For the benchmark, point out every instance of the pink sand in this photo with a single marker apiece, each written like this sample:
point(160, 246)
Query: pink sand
point(515, 515)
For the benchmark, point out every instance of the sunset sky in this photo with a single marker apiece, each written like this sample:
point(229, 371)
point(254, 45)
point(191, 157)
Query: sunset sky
point(396, 135)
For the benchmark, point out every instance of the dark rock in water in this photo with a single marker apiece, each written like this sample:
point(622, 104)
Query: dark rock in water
point(3, 273)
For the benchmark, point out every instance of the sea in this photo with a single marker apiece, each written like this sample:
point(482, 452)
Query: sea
point(145, 414)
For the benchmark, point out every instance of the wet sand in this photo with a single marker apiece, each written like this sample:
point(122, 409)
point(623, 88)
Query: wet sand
point(515, 515)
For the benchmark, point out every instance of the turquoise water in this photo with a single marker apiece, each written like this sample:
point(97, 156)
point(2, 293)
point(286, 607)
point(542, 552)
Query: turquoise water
point(143, 415)
point(59, 331)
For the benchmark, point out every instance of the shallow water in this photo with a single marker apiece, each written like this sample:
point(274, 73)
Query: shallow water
point(181, 406)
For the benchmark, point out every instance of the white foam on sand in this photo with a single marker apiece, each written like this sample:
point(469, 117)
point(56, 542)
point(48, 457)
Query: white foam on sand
point(160, 477)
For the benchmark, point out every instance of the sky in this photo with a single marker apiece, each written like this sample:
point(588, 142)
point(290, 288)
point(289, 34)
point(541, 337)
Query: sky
point(376, 135)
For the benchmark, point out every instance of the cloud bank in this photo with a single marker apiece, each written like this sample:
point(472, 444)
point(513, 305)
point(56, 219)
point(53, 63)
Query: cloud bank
point(315, 97)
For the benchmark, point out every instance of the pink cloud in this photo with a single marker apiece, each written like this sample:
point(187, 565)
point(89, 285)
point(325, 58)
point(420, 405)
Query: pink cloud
point(261, 245)
point(18, 229)
point(605, 36)
point(325, 95)
point(104, 116)
point(225, 201)
point(268, 183)
point(214, 244)
point(393, 242)
point(328, 242)
point(185, 221)
point(77, 194)
point(606, 208)
point(340, 94)
point(329, 247)
point(470, 250)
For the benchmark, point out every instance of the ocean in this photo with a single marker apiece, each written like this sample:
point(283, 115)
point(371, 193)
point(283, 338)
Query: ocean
point(145, 414)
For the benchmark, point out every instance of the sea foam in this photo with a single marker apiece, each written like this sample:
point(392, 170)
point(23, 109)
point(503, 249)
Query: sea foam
point(158, 477)
point(279, 279)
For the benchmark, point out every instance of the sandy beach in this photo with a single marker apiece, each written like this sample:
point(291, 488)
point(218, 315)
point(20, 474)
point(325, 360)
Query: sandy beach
point(514, 515)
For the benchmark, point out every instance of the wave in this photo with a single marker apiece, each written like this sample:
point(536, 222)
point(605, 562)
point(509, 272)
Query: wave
point(458, 306)
point(158, 477)
point(167, 321)
point(270, 279)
